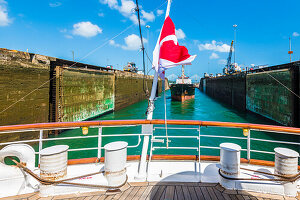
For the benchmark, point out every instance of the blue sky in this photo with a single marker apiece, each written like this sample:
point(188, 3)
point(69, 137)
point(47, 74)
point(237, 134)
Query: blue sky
point(56, 28)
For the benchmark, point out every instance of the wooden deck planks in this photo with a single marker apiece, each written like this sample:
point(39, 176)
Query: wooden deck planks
point(179, 192)
point(170, 190)
point(161, 191)
point(199, 193)
point(186, 192)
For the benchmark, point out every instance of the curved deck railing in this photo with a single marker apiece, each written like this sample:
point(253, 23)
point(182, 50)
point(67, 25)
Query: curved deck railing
point(246, 127)
point(67, 125)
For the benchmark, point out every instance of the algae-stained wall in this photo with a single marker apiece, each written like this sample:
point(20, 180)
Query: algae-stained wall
point(20, 76)
point(83, 93)
point(265, 96)
point(24, 91)
point(129, 88)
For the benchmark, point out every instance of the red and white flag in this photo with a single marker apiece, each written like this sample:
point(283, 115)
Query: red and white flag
point(167, 52)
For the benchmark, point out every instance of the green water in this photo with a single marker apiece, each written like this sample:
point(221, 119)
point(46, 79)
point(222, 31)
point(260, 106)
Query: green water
point(201, 108)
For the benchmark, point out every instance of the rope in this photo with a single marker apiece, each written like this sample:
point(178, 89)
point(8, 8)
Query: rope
point(283, 178)
point(165, 105)
point(64, 181)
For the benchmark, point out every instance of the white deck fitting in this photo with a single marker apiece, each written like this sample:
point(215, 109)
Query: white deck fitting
point(165, 171)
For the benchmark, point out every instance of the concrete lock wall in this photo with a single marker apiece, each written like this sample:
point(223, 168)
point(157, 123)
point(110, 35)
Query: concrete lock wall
point(265, 96)
point(21, 74)
point(261, 92)
point(83, 93)
point(36, 88)
point(132, 88)
point(228, 89)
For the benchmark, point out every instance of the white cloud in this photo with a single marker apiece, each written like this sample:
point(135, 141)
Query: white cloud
point(113, 43)
point(110, 3)
point(180, 34)
point(296, 34)
point(55, 4)
point(101, 14)
point(63, 30)
point(86, 29)
point(127, 9)
point(214, 46)
point(159, 12)
point(148, 16)
point(213, 56)
point(222, 62)
point(69, 36)
point(132, 42)
point(4, 19)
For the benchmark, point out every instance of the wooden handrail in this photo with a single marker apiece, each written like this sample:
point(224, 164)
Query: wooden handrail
point(57, 125)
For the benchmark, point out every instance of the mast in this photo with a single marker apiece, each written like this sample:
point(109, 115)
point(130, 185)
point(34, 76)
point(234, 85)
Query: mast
point(142, 170)
point(142, 43)
point(290, 52)
point(155, 79)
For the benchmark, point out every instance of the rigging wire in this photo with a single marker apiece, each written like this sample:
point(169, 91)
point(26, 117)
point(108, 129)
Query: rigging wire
point(281, 84)
point(22, 98)
point(88, 54)
point(137, 9)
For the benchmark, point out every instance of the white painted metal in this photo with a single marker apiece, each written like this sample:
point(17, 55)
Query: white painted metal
point(208, 170)
point(115, 161)
point(14, 181)
point(147, 129)
point(275, 141)
point(230, 159)
point(221, 136)
point(53, 164)
point(249, 145)
point(183, 81)
point(99, 141)
point(286, 161)
point(40, 144)
point(199, 144)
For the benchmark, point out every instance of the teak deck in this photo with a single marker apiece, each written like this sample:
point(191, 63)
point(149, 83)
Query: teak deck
point(161, 191)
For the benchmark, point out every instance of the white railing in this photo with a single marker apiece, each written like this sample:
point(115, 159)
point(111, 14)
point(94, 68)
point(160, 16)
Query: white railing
point(154, 139)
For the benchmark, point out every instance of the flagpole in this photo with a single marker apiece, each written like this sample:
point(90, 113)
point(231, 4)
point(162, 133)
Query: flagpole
point(155, 79)
point(142, 170)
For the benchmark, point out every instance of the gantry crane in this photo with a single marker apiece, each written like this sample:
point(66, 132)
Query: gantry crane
point(228, 69)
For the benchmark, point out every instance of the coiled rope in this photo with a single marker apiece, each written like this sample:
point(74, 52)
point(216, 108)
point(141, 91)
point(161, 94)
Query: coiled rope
point(65, 181)
point(281, 177)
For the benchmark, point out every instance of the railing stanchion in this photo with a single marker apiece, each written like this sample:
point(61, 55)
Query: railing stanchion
point(40, 144)
point(248, 145)
point(99, 141)
point(142, 170)
point(199, 144)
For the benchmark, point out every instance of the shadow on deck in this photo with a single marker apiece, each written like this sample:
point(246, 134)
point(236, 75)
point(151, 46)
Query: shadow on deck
point(162, 190)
